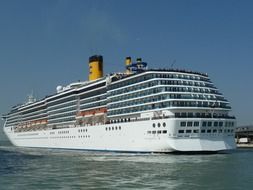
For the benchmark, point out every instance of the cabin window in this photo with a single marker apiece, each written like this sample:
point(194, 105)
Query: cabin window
point(188, 131)
point(180, 131)
point(189, 123)
point(196, 123)
point(183, 124)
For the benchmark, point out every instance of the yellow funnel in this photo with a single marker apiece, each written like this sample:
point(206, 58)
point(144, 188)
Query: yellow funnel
point(96, 67)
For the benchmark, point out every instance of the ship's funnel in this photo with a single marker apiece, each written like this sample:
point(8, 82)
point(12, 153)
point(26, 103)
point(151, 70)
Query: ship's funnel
point(128, 62)
point(96, 67)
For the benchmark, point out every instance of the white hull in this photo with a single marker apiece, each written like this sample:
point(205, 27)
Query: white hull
point(128, 137)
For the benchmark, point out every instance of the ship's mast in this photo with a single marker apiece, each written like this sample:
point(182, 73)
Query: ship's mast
point(31, 98)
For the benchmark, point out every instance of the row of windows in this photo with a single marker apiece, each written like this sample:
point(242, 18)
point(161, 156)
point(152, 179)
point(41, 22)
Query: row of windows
point(92, 87)
point(120, 120)
point(16, 118)
point(92, 105)
point(113, 128)
point(84, 136)
point(27, 116)
point(133, 88)
point(62, 115)
point(61, 120)
point(57, 107)
point(206, 124)
point(88, 100)
point(157, 75)
point(200, 115)
point(37, 112)
point(164, 88)
point(138, 101)
point(82, 130)
point(63, 137)
point(131, 81)
point(167, 97)
point(199, 93)
point(180, 82)
point(157, 132)
point(136, 94)
point(163, 105)
point(63, 96)
point(57, 113)
point(189, 124)
point(71, 137)
point(12, 122)
point(37, 117)
point(206, 131)
point(63, 132)
point(94, 93)
point(159, 125)
point(67, 99)
point(32, 110)
point(181, 76)
point(189, 131)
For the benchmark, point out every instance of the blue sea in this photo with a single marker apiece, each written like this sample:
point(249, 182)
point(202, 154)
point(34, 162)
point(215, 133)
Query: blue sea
point(26, 168)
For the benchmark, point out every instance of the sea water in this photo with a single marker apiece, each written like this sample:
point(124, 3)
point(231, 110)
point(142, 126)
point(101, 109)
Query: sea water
point(29, 168)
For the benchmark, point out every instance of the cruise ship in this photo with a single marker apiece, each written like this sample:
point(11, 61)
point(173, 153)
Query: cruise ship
point(138, 110)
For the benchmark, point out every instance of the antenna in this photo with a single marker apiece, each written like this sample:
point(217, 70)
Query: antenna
point(173, 63)
point(31, 98)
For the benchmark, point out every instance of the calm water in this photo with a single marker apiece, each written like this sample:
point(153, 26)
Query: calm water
point(22, 168)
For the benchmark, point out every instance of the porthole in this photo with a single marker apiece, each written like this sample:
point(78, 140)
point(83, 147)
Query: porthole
point(164, 124)
point(112, 128)
point(119, 127)
point(154, 125)
point(116, 128)
point(159, 124)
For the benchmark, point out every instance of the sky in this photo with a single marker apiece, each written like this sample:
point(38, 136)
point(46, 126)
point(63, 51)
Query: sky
point(46, 43)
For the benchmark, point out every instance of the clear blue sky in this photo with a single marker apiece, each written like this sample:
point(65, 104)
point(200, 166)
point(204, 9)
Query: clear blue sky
point(45, 43)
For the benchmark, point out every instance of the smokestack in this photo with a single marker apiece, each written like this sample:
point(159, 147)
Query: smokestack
point(128, 62)
point(95, 67)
